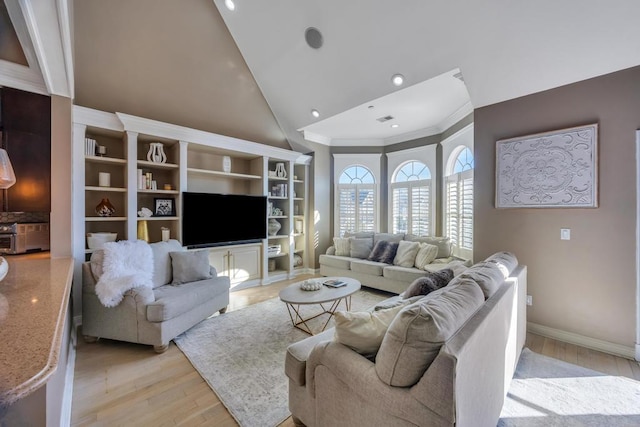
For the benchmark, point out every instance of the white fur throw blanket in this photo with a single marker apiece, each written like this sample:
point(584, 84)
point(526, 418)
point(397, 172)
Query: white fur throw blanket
point(127, 264)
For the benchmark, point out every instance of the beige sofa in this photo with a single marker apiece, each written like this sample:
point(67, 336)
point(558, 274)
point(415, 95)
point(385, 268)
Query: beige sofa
point(152, 316)
point(383, 276)
point(464, 385)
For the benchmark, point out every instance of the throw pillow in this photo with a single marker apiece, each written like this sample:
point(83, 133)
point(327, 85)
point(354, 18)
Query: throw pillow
point(506, 261)
point(384, 252)
point(343, 247)
point(443, 243)
point(190, 266)
point(429, 283)
point(426, 254)
point(162, 261)
point(417, 333)
point(389, 237)
point(360, 248)
point(406, 254)
point(487, 275)
point(363, 331)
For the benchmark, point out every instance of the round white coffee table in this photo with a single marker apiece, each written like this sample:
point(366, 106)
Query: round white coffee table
point(327, 298)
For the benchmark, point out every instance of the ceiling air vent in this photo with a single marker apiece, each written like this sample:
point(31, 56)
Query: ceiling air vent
point(385, 119)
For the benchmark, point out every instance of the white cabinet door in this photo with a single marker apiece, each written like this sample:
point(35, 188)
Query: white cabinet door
point(245, 263)
point(218, 259)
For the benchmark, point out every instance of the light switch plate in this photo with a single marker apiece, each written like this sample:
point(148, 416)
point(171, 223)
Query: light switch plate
point(565, 234)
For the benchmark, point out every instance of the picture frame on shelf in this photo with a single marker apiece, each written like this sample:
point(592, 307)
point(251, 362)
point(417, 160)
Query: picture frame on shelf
point(164, 206)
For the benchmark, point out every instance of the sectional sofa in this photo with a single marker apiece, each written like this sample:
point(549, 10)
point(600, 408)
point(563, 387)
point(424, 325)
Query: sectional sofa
point(354, 260)
point(446, 359)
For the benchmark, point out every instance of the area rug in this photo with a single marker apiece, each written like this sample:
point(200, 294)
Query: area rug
point(548, 392)
point(241, 355)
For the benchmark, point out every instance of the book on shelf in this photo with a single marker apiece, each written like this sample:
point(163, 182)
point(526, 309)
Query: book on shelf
point(332, 283)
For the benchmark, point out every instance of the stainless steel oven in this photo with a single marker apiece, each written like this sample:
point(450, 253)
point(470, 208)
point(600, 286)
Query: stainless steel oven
point(20, 238)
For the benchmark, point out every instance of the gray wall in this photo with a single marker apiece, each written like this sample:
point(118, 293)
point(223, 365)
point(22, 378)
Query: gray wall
point(586, 285)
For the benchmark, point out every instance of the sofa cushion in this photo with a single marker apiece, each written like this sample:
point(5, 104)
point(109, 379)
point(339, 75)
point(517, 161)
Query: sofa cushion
point(383, 251)
point(506, 261)
point(486, 274)
point(190, 266)
point(336, 261)
point(162, 273)
point(402, 274)
point(406, 253)
point(426, 254)
point(360, 235)
point(342, 245)
point(173, 300)
point(362, 331)
point(360, 248)
point(297, 354)
point(415, 336)
point(443, 243)
point(389, 237)
point(373, 268)
point(429, 283)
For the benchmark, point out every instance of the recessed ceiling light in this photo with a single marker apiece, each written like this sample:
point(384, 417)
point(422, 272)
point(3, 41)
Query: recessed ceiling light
point(315, 113)
point(395, 125)
point(230, 5)
point(397, 79)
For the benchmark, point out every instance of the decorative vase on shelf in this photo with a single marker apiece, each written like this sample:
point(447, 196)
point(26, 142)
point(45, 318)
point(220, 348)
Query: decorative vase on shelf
point(226, 164)
point(105, 208)
point(143, 230)
point(274, 227)
point(280, 170)
point(156, 153)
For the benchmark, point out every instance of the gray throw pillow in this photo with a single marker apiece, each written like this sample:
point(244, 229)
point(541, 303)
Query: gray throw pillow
point(383, 251)
point(429, 283)
point(360, 248)
point(190, 266)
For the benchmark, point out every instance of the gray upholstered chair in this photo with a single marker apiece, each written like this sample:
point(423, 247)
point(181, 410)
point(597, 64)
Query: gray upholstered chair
point(152, 316)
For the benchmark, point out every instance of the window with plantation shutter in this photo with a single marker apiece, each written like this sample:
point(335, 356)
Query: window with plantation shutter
point(459, 202)
point(356, 199)
point(411, 199)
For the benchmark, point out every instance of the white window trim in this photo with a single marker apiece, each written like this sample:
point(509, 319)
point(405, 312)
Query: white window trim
point(395, 160)
point(451, 147)
point(343, 161)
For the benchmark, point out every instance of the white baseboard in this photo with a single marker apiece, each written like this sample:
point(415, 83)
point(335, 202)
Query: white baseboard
point(587, 342)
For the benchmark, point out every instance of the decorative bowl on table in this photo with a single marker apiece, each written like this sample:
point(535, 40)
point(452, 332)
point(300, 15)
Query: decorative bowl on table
point(97, 240)
point(311, 285)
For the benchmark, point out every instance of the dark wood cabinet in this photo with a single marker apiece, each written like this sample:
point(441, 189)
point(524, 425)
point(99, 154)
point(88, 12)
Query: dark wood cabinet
point(26, 135)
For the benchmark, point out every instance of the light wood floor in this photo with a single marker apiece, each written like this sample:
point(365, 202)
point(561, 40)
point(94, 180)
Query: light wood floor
point(127, 384)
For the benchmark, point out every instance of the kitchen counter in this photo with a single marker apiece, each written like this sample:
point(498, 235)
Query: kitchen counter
point(34, 298)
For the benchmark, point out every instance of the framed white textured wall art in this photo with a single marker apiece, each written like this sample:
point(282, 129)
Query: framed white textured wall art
point(555, 169)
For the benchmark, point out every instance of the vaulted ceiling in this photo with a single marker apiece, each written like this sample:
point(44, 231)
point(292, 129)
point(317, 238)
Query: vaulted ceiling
point(249, 73)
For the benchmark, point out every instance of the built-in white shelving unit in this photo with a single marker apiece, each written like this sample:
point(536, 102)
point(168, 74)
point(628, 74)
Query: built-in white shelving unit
point(194, 162)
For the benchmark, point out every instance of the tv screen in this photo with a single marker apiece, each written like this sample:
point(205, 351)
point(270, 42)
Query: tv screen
point(219, 219)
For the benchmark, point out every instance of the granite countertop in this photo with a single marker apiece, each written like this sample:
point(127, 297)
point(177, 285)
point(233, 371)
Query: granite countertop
point(34, 298)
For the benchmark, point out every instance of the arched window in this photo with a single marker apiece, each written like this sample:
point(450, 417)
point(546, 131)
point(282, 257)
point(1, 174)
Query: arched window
point(459, 199)
point(411, 199)
point(356, 200)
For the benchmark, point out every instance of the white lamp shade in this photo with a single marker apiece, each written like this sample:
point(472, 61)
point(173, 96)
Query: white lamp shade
point(7, 177)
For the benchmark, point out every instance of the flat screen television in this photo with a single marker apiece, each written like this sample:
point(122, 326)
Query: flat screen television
point(221, 219)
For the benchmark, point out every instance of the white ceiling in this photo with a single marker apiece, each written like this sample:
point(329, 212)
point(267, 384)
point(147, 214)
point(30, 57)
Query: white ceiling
point(504, 49)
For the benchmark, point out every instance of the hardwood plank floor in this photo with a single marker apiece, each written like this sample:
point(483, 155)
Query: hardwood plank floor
point(123, 384)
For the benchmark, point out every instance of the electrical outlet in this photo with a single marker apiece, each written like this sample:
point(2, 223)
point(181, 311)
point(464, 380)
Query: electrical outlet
point(565, 234)
point(529, 300)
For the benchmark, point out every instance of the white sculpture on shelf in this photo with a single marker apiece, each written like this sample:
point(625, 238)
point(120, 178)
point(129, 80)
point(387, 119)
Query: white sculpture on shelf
point(280, 170)
point(156, 153)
